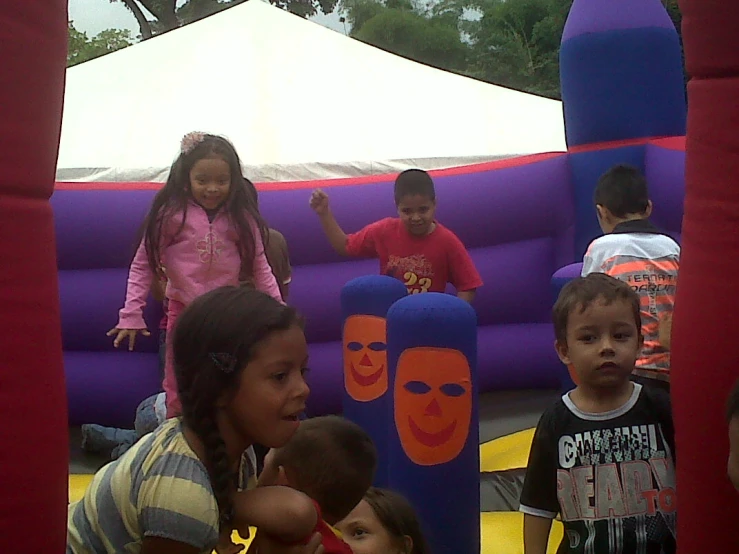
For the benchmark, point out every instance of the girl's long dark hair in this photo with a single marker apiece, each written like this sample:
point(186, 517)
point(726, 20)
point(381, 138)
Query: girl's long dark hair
point(174, 196)
point(214, 339)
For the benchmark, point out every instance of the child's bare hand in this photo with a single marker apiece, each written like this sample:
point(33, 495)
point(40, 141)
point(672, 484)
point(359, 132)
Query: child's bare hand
point(319, 202)
point(130, 334)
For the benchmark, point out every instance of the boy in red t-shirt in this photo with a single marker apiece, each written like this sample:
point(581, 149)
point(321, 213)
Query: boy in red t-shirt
point(413, 247)
point(331, 460)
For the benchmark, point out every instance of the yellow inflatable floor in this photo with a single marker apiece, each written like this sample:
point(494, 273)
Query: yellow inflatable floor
point(501, 532)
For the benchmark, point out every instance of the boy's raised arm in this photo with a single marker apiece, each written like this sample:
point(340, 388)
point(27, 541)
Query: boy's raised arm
point(335, 234)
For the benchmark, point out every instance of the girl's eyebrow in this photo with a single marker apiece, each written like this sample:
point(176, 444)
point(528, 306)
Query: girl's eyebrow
point(284, 362)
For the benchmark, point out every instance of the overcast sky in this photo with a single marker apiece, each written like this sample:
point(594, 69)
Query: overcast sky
point(93, 16)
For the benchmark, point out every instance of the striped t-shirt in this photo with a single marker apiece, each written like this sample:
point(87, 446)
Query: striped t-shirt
point(637, 253)
point(158, 488)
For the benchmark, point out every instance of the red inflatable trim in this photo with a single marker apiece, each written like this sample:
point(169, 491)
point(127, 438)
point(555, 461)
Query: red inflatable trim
point(34, 445)
point(706, 320)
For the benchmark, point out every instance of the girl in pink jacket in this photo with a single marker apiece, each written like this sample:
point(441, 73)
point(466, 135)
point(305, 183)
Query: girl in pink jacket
point(205, 229)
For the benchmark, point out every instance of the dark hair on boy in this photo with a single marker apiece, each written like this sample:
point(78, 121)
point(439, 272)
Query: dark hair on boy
point(623, 191)
point(412, 182)
point(732, 405)
point(581, 293)
point(332, 460)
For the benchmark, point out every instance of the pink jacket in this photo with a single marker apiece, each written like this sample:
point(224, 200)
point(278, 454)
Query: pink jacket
point(201, 257)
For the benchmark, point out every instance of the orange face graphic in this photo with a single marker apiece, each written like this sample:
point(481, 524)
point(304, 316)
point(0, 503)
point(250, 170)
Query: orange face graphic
point(433, 404)
point(365, 357)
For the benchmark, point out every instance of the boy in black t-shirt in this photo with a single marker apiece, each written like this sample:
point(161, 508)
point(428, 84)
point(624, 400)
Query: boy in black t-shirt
point(603, 456)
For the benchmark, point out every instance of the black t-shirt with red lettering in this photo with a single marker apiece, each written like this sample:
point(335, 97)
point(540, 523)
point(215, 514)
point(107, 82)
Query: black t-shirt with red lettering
point(609, 476)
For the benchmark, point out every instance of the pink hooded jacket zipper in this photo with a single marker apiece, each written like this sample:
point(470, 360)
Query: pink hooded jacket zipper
point(201, 257)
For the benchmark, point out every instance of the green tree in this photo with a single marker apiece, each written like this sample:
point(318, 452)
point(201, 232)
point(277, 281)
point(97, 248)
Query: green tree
point(170, 14)
point(516, 44)
point(82, 48)
point(411, 30)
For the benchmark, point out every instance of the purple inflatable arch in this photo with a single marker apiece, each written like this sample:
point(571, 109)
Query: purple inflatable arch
point(517, 218)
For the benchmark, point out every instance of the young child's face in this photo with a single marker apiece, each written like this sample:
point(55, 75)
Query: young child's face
point(272, 391)
point(416, 211)
point(210, 182)
point(603, 344)
point(365, 534)
point(733, 465)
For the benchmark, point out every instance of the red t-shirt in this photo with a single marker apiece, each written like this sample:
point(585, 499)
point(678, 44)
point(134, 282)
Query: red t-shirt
point(424, 264)
point(331, 538)
point(332, 541)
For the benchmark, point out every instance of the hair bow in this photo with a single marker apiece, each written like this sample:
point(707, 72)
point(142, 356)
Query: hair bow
point(190, 141)
point(223, 361)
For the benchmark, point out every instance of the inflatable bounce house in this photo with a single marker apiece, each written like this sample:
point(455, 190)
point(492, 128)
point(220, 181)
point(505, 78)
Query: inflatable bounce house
point(523, 220)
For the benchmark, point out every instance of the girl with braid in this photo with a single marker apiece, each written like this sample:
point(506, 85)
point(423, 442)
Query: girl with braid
point(240, 358)
point(204, 227)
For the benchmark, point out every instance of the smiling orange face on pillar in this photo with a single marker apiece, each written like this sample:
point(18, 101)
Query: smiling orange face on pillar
point(365, 357)
point(433, 404)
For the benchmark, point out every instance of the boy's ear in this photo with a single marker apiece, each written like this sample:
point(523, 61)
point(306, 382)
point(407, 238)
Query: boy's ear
point(282, 479)
point(602, 212)
point(562, 352)
point(648, 211)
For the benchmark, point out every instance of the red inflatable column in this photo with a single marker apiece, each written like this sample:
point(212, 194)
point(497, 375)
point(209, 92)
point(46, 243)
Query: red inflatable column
point(33, 412)
point(704, 359)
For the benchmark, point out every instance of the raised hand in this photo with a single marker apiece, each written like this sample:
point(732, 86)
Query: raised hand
point(319, 202)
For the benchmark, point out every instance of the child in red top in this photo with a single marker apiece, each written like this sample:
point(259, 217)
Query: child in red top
point(414, 247)
point(329, 459)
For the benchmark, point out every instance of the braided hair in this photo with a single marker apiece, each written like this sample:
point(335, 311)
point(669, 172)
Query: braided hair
point(214, 339)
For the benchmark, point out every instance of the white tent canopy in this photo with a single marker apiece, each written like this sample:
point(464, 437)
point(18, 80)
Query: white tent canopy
point(299, 101)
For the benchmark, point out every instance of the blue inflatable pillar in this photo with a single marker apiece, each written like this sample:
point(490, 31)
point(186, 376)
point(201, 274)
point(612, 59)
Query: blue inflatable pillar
point(622, 79)
point(364, 305)
point(434, 456)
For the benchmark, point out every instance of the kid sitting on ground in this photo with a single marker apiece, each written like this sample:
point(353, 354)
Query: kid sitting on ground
point(332, 461)
point(603, 456)
point(113, 442)
point(635, 251)
point(414, 247)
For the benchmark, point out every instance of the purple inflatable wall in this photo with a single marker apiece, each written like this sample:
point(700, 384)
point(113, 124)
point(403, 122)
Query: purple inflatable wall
point(516, 218)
